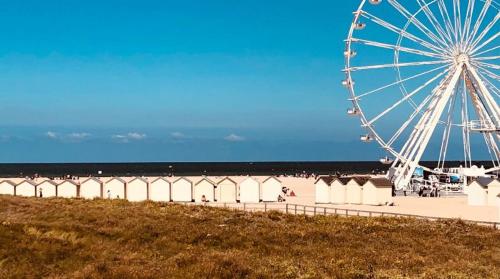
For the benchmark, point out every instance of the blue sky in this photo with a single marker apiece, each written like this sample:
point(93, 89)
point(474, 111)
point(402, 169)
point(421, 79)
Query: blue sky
point(107, 81)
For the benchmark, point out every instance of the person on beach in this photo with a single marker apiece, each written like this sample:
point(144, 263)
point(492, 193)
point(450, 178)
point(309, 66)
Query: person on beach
point(40, 192)
point(203, 199)
point(109, 194)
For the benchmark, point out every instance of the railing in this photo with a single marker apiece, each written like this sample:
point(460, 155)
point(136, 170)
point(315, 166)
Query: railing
point(312, 210)
point(482, 126)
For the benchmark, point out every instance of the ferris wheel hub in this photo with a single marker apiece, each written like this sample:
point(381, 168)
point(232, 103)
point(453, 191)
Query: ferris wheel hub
point(462, 58)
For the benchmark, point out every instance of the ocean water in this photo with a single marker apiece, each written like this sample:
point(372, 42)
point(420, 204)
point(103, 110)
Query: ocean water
point(198, 168)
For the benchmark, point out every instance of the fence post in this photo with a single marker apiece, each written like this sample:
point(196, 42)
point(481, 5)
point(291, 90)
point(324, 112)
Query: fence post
point(304, 210)
point(265, 207)
point(370, 214)
point(335, 211)
point(324, 211)
point(244, 206)
point(295, 209)
point(382, 215)
point(346, 212)
point(286, 208)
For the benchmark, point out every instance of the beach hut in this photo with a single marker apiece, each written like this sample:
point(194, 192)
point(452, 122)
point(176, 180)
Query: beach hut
point(137, 189)
point(7, 187)
point(91, 188)
point(227, 190)
point(114, 188)
point(377, 191)
point(272, 188)
point(182, 190)
point(338, 190)
point(159, 190)
point(67, 189)
point(26, 188)
point(354, 190)
point(249, 191)
point(477, 193)
point(205, 188)
point(494, 193)
point(322, 189)
point(48, 188)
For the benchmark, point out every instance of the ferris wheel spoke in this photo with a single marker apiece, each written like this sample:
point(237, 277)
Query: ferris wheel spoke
point(479, 21)
point(486, 43)
point(417, 23)
point(488, 65)
point(434, 22)
point(485, 31)
point(395, 47)
point(488, 58)
point(406, 97)
point(399, 82)
point(446, 19)
point(402, 32)
point(396, 65)
point(493, 88)
point(458, 17)
point(486, 51)
point(468, 21)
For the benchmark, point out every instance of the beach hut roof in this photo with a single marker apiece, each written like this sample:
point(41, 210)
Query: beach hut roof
point(205, 179)
point(226, 178)
point(327, 179)
point(92, 178)
point(381, 182)
point(70, 181)
point(8, 182)
point(344, 180)
point(139, 178)
point(483, 181)
point(49, 181)
point(161, 178)
point(116, 178)
point(272, 177)
point(182, 178)
point(27, 180)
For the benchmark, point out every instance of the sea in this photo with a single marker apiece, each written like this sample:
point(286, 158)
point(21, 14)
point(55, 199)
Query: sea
point(201, 168)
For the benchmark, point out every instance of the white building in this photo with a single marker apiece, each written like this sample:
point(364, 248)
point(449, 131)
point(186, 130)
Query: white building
point(137, 190)
point(204, 188)
point(377, 191)
point(114, 188)
point(249, 191)
point(322, 189)
point(26, 188)
point(227, 190)
point(48, 189)
point(91, 188)
point(272, 188)
point(159, 190)
point(494, 193)
point(182, 190)
point(354, 190)
point(477, 193)
point(338, 191)
point(7, 187)
point(67, 189)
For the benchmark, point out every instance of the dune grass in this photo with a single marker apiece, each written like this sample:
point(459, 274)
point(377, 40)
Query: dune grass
point(62, 238)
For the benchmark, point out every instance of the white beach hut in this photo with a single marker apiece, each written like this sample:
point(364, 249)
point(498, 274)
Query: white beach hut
point(377, 191)
point(26, 188)
point(271, 189)
point(137, 189)
point(159, 190)
point(477, 193)
point(494, 193)
point(114, 188)
point(338, 190)
point(7, 187)
point(322, 189)
point(182, 190)
point(227, 190)
point(206, 188)
point(354, 190)
point(67, 189)
point(48, 189)
point(91, 188)
point(249, 191)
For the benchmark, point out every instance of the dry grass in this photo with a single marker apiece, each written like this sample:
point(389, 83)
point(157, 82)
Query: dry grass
point(60, 238)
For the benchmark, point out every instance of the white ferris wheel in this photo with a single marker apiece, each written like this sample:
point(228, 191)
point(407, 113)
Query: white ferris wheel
point(423, 77)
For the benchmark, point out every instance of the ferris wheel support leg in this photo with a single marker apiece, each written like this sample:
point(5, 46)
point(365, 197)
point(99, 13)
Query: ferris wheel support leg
point(492, 104)
point(409, 167)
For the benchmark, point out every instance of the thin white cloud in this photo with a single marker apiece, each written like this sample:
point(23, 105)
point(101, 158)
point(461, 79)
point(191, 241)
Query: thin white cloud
point(178, 136)
point(234, 138)
point(132, 136)
point(51, 135)
point(78, 136)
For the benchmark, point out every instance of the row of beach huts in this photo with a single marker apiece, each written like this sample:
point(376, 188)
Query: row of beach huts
point(483, 192)
point(353, 190)
point(183, 189)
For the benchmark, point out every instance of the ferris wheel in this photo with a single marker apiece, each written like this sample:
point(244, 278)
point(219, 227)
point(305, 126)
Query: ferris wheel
point(423, 77)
